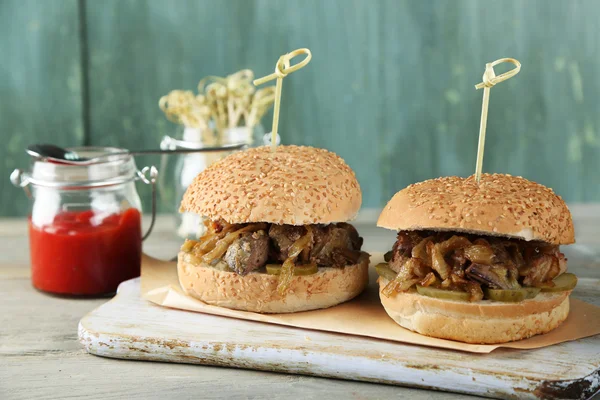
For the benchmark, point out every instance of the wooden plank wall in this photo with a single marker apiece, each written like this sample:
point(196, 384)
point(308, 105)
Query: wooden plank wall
point(40, 85)
point(390, 87)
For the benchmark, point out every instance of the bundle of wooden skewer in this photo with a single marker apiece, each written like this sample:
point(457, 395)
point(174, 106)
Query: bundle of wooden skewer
point(221, 104)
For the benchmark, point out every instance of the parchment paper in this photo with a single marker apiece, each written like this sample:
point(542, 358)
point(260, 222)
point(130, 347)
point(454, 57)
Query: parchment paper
point(362, 316)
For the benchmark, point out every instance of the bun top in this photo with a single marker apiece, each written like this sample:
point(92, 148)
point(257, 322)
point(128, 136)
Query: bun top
point(501, 205)
point(295, 185)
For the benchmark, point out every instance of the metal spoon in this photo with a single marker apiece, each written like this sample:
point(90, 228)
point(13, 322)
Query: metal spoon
point(50, 152)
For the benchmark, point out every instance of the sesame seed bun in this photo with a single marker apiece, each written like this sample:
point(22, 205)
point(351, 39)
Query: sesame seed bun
point(257, 292)
point(501, 205)
point(295, 185)
point(483, 322)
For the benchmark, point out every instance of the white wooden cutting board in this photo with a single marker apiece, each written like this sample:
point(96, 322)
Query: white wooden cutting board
point(129, 327)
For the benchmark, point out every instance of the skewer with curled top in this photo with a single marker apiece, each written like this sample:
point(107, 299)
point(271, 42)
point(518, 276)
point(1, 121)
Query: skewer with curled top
point(489, 80)
point(282, 69)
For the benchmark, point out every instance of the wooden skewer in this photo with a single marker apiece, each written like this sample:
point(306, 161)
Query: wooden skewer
point(489, 80)
point(282, 69)
point(221, 102)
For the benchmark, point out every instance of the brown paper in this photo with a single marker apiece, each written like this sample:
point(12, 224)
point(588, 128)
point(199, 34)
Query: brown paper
point(362, 316)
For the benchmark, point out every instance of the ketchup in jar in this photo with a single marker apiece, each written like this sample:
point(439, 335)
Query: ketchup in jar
point(85, 225)
point(82, 253)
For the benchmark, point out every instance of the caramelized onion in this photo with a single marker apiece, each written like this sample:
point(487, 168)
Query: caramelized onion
point(398, 286)
point(474, 290)
point(503, 273)
point(482, 242)
point(513, 276)
point(493, 276)
point(429, 280)
point(455, 242)
point(516, 256)
point(420, 269)
point(188, 245)
point(207, 243)
point(286, 275)
point(222, 245)
point(215, 232)
point(437, 260)
point(404, 280)
point(479, 254)
point(420, 251)
point(299, 245)
point(287, 269)
point(457, 280)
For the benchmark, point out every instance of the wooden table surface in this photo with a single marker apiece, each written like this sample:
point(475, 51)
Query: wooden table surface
point(40, 356)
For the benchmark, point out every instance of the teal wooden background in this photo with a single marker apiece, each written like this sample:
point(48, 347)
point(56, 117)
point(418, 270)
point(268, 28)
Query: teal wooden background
point(390, 87)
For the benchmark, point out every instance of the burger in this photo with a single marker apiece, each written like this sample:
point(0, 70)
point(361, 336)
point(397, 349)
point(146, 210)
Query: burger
point(277, 237)
point(477, 262)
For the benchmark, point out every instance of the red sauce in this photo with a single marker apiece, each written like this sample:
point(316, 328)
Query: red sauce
point(79, 255)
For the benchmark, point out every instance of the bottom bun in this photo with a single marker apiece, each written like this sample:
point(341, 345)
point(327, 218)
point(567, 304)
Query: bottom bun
point(483, 322)
point(257, 292)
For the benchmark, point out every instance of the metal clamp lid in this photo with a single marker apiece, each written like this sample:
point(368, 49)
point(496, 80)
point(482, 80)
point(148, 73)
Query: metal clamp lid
point(19, 179)
point(148, 175)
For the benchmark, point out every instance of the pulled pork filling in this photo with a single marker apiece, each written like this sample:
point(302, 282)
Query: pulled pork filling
point(243, 248)
point(469, 263)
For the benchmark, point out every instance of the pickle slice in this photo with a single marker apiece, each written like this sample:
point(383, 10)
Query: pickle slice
point(562, 283)
point(510, 295)
point(299, 270)
point(443, 294)
point(532, 292)
point(386, 272)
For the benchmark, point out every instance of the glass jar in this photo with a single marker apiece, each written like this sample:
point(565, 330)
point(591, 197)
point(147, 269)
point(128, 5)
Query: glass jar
point(85, 231)
point(185, 167)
